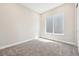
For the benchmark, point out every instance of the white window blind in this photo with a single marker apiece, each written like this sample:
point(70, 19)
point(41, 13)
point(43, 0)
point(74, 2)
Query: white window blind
point(49, 24)
point(55, 24)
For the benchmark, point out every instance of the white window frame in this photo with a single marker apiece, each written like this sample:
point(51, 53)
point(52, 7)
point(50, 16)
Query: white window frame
point(53, 25)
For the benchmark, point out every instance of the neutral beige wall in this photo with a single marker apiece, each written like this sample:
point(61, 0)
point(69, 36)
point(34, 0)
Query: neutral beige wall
point(17, 24)
point(69, 23)
point(77, 14)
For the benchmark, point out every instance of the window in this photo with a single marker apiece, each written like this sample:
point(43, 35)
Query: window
point(49, 24)
point(55, 24)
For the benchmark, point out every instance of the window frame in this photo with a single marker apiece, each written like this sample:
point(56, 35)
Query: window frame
point(53, 24)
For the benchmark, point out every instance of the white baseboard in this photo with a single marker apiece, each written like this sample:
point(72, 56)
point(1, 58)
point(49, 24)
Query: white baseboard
point(70, 43)
point(65, 42)
point(37, 37)
point(13, 44)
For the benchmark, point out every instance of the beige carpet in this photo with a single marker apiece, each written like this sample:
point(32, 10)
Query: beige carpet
point(40, 48)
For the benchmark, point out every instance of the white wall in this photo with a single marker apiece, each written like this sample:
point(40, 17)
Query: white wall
point(17, 24)
point(78, 26)
point(69, 24)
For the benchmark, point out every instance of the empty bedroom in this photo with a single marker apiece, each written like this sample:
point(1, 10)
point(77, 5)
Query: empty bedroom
point(39, 29)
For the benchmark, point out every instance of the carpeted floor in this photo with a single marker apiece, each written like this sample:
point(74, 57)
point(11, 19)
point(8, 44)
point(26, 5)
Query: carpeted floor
point(40, 48)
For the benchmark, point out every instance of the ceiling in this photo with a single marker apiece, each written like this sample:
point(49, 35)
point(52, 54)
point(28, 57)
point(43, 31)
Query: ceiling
point(41, 7)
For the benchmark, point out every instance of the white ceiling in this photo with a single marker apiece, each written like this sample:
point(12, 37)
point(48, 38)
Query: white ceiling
point(41, 7)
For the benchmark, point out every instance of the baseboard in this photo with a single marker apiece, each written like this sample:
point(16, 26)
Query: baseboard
point(69, 43)
point(13, 44)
